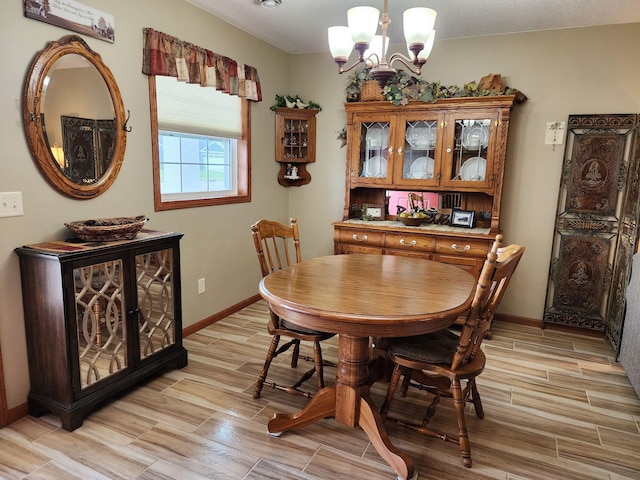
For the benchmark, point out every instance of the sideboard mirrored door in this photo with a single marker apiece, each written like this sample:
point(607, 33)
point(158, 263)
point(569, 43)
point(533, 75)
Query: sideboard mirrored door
point(156, 315)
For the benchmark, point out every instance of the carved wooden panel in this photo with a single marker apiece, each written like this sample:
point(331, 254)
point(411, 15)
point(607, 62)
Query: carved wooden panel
point(596, 224)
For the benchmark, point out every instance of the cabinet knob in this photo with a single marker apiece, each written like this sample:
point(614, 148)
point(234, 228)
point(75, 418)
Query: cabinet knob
point(407, 244)
point(134, 312)
point(390, 149)
point(448, 149)
point(460, 249)
point(358, 238)
point(399, 151)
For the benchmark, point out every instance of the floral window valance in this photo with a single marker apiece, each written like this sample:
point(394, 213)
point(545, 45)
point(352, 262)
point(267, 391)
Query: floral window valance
point(170, 56)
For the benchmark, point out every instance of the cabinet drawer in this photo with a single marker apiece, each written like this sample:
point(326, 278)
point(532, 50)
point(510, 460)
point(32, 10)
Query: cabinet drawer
point(361, 237)
point(419, 243)
point(346, 248)
point(463, 247)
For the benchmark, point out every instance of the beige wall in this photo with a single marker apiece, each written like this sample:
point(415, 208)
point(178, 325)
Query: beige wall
point(562, 72)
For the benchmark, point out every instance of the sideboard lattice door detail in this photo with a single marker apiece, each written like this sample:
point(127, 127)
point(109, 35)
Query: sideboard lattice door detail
point(154, 274)
point(596, 222)
point(102, 340)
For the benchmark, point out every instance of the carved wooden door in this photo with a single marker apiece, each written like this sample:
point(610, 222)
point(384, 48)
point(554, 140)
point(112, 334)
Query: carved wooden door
point(596, 224)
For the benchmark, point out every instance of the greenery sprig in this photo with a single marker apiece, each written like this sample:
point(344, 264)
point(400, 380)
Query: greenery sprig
point(288, 101)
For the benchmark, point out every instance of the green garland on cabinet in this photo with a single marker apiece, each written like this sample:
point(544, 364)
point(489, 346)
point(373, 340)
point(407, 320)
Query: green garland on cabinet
point(403, 87)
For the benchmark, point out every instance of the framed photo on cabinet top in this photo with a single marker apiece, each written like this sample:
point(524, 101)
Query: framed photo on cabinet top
point(373, 211)
point(462, 218)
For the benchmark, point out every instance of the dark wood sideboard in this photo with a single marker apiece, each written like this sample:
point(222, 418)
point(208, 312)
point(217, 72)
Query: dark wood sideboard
point(100, 317)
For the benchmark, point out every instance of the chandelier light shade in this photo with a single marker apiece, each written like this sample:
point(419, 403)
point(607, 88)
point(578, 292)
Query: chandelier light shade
point(363, 23)
point(372, 49)
point(418, 23)
point(375, 47)
point(428, 46)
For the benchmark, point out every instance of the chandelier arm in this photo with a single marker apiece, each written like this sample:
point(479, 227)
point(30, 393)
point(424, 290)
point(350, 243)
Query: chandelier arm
point(342, 69)
point(415, 66)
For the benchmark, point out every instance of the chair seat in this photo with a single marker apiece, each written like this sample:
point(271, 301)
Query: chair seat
point(437, 347)
point(306, 331)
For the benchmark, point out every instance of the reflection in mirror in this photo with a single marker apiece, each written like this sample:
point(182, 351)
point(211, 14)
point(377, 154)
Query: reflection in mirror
point(78, 119)
point(399, 201)
point(74, 118)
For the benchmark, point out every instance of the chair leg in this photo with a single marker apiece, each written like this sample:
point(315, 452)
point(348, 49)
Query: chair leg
point(267, 363)
point(317, 357)
point(463, 436)
point(475, 398)
point(296, 353)
point(405, 383)
point(393, 385)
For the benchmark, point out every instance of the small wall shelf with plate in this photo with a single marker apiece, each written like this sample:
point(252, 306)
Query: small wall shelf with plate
point(295, 145)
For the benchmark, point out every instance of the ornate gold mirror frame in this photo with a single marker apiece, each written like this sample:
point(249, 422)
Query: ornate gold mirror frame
point(110, 132)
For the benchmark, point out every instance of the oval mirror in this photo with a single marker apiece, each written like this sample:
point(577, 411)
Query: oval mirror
point(74, 118)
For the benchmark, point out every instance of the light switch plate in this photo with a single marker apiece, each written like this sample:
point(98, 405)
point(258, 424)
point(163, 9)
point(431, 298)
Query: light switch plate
point(554, 134)
point(11, 204)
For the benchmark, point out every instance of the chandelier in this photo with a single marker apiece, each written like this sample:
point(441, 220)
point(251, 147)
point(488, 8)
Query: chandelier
point(360, 35)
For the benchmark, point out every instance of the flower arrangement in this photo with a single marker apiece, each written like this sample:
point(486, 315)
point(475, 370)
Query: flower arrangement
point(288, 101)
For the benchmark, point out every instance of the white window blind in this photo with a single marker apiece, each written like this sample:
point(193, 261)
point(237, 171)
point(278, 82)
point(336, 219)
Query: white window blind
point(190, 108)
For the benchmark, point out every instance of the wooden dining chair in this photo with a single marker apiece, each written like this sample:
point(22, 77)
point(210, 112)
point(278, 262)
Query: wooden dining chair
point(440, 362)
point(278, 246)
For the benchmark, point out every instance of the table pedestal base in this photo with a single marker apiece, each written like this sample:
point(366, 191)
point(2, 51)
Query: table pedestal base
point(349, 402)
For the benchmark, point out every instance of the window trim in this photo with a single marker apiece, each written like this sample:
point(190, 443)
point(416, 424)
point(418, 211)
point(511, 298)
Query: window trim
point(243, 162)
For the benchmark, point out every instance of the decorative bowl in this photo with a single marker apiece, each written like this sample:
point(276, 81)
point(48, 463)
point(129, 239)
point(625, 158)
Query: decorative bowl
point(107, 229)
point(413, 222)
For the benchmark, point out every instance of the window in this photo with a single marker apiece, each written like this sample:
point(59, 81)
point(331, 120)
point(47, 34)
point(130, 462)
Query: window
point(200, 145)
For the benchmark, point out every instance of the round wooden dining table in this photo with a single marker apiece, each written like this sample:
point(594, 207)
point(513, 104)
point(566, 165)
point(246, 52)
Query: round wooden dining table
point(361, 296)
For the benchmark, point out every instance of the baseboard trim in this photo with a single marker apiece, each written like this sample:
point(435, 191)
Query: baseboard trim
point(16, 413)
point(530, 322)
point(219, 316)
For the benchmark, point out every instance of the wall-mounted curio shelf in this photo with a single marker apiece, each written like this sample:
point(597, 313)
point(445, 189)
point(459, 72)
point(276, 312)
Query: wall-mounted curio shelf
point(295, 145)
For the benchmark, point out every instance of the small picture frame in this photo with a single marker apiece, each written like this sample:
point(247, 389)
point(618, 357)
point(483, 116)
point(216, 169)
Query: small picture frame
point(372, 211)
point(462, 218)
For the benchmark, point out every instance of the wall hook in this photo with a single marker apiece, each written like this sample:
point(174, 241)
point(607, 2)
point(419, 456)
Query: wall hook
point(124, 127)
point(32, 116)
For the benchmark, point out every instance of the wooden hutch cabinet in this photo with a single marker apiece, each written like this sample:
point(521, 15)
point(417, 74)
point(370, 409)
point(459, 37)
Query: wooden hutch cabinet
point(295, 144)
point(99, 318)
point(455, 148)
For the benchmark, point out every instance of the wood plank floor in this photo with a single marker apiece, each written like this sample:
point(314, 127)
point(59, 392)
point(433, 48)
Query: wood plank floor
point(556, 405)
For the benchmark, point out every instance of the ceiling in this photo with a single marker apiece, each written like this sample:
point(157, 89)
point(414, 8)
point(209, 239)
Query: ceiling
point(300, 26)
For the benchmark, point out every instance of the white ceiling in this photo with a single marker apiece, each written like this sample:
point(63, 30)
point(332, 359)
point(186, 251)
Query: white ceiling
point(300, 26)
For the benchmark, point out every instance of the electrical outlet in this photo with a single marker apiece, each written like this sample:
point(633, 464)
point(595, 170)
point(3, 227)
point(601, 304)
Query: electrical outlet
point(200, 286)
point(11, 204)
